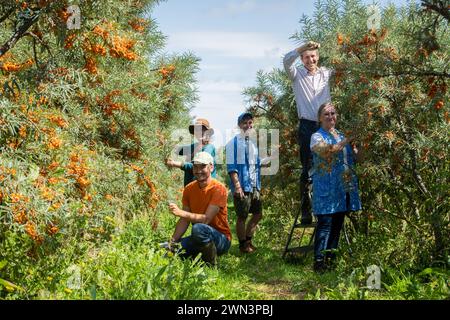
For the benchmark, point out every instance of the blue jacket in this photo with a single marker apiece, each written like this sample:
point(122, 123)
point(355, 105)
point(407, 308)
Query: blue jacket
point(331, 181)
point(238, 162)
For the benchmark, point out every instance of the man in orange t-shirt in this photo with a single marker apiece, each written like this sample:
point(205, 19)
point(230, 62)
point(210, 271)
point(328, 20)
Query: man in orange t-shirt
point(205, 206)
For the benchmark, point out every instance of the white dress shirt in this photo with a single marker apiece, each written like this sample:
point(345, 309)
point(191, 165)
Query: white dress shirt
point(311, 91)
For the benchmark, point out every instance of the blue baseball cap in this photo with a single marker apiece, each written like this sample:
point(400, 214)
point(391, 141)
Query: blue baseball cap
point(244, 116)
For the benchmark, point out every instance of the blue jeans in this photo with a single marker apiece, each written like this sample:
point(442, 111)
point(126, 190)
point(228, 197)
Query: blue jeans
point(328, 230)
point(201, 235)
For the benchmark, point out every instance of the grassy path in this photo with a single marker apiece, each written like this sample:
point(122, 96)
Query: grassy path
point(265, 275)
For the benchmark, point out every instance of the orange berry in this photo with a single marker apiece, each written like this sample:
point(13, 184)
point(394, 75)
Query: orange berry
point(439, 105)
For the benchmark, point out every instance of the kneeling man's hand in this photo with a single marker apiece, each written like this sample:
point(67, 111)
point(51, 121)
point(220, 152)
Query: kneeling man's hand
point(174, 209)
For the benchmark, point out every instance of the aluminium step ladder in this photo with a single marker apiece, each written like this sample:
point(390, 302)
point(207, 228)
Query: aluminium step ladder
point(301, 249)
point(305, 249)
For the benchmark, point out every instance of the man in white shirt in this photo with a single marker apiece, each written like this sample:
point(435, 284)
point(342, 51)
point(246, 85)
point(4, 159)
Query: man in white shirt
point(311, 88)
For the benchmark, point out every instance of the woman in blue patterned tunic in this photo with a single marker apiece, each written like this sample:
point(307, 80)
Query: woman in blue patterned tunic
point(335, 186)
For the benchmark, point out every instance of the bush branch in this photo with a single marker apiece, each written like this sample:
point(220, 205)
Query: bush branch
point(441, 10)
point(19, 33)
point(7, 14)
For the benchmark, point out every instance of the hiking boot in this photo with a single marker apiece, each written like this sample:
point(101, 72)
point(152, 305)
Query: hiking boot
point(251, 246)
point(330, 261)
point(246, 248)
point(209, 253)
point(319, 266)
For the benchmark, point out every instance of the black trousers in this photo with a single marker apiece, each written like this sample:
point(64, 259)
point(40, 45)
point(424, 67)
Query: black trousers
point(306, 129)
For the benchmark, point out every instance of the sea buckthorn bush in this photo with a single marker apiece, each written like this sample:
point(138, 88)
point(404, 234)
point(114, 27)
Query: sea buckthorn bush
point(391, 92)
point(85, 116)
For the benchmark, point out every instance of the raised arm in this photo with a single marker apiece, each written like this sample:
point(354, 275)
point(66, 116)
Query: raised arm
point(174, 164)
point(289, 58)
point(288, 62)
point(325, 150)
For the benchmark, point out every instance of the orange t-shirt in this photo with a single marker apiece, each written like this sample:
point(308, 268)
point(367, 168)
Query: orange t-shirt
point(198, 201)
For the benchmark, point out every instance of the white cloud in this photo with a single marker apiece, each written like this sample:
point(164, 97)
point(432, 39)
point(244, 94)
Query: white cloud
point(213, 67)
point(220, 95)
point(220, 86)
point(254, 7)
point(236, 7)
point(229, 62)
point(220, 102)
point(230, 44)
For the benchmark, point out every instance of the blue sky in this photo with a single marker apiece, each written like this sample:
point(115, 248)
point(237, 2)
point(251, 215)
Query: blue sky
point(234, 39)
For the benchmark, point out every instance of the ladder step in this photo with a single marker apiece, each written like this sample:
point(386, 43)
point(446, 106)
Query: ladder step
point(311, 225)
point(301, 250)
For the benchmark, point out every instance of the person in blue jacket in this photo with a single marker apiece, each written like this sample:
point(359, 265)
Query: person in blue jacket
point(244, 169)
point(335, 185)
point(202, 131)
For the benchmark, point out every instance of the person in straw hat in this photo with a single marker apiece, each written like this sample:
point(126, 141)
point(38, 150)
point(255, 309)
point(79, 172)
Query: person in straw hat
point(203, 132)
